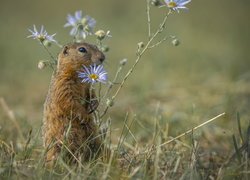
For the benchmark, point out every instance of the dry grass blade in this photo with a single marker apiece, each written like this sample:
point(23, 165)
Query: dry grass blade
point(134, 172)
point(123, 131)
point(7, 146)
point(12, 117)
point(193, 129)
point(157, 159)
point(65, 146)
point(105, 175)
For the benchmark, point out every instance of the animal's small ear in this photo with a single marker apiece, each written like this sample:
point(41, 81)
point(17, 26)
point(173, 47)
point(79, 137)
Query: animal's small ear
point(65, 50)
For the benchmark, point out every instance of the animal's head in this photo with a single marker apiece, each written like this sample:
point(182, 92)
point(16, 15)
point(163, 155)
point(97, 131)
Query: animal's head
point(73, 56)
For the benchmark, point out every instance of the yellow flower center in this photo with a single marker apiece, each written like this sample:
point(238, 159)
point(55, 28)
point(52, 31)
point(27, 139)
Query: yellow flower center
point(41, 38)
point(172, 4)
point(84, 21)
point(94, 76)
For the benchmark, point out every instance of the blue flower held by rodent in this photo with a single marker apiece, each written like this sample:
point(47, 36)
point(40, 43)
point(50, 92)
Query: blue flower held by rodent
point(93, 74)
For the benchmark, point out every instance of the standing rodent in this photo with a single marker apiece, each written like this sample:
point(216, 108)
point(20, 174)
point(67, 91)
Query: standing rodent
point(67, 117)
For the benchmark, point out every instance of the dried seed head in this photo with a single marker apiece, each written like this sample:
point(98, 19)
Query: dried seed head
point(41, 65)
point(110, 102)
point(100, 34)
point(123, 62)
point(140, 45)
point(176, 42)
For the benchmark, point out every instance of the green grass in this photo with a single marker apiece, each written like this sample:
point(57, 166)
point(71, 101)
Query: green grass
point(171, 90)
point(138, 152)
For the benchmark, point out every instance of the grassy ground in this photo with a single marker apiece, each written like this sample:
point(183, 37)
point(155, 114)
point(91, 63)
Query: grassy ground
point(172, 90)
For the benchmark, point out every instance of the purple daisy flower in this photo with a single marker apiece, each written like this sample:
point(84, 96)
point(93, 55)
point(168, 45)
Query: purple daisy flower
point(93, 74)
point(82, 26)
point(177, 4)
point(42, 35)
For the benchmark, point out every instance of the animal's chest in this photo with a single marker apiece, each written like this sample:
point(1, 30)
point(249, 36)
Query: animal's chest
point(68, 92)
point(76, 87)
point(79, 89)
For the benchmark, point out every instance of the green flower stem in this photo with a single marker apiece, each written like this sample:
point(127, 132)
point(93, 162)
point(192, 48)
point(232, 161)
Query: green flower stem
point(161, 41)
point(54, 61)
point(139, 55)
point(149, 19)
point(114, 81)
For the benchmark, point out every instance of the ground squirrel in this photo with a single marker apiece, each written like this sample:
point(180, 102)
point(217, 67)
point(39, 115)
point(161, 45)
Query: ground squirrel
point(68, 106)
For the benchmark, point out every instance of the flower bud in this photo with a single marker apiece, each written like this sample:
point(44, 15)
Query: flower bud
point(108, 34)
point(140, 45)
point(156, 2)
point(104, 48)
point(100, 34)
point(41, 65)
point(110, 102)
point(176, 42)
point(123, 62)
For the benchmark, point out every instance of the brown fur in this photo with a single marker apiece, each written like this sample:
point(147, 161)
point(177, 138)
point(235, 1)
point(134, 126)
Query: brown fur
point(67, 110)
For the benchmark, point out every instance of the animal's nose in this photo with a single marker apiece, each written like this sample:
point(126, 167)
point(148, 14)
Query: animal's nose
point(98, 58)
point(101, 57)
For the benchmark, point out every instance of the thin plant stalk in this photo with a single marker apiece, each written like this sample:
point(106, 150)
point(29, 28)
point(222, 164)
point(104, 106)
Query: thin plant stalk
point(54, 61)
point(149, 19)
point(139, 55)
point(191, 130)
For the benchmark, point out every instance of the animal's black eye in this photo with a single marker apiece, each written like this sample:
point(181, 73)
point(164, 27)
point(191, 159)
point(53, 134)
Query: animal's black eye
point(82, 50)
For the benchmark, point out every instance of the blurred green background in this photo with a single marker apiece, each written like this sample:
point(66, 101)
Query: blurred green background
point(209, 73)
